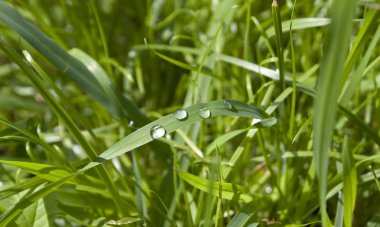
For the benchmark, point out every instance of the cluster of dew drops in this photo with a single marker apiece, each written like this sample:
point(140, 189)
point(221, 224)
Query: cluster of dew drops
point(159, 131)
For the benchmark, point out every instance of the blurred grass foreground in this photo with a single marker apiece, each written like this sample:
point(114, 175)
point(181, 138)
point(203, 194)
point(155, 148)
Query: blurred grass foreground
point(189, 113)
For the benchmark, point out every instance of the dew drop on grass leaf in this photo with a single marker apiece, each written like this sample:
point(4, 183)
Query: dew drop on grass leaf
point(228, 104)
point(180, 115)
point(204, 113)
point(157, 132)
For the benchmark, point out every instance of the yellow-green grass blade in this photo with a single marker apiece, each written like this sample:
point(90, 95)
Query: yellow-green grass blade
point(349, 183)
point(221, 190)
point(299, 24)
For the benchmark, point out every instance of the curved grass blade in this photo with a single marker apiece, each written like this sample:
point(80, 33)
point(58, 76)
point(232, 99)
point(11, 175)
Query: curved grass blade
point(142, 136)
point(193, 114)
point(101, 76)
point(270, 73)
point(221, 190)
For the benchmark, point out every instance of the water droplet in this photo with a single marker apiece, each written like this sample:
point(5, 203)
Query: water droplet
point(228, 104)
point(131, 123)
point(204, 113)
point(268, 189)
point(157, 132)
point(181, 115)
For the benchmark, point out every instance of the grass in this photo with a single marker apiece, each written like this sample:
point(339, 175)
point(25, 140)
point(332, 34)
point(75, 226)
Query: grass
point(189, 113)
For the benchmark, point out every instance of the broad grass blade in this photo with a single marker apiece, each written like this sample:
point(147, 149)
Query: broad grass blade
point(328, 92)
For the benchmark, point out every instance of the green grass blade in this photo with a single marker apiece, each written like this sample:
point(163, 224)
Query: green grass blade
point(242, 217)
point(359, 73)
point(261, 70)
point(170, 123)
point(102, 78)
point(294, 77)
point(221, 190)
point(328, 92)
point(140, 198)
point(369, 26)
point(299, 24)
point(280, 49)
point(349, 183)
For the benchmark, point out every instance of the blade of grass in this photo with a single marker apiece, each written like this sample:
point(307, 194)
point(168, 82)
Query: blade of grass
point(228, 191)
point(349, 183)
point(325, 106)
point(369, 26)
point(280, 50)
point(217, 56)
point(358, 74)
point(294, 78)
point(299, 24)
point(140, 198)
point(243, 215)
point(140, 137)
